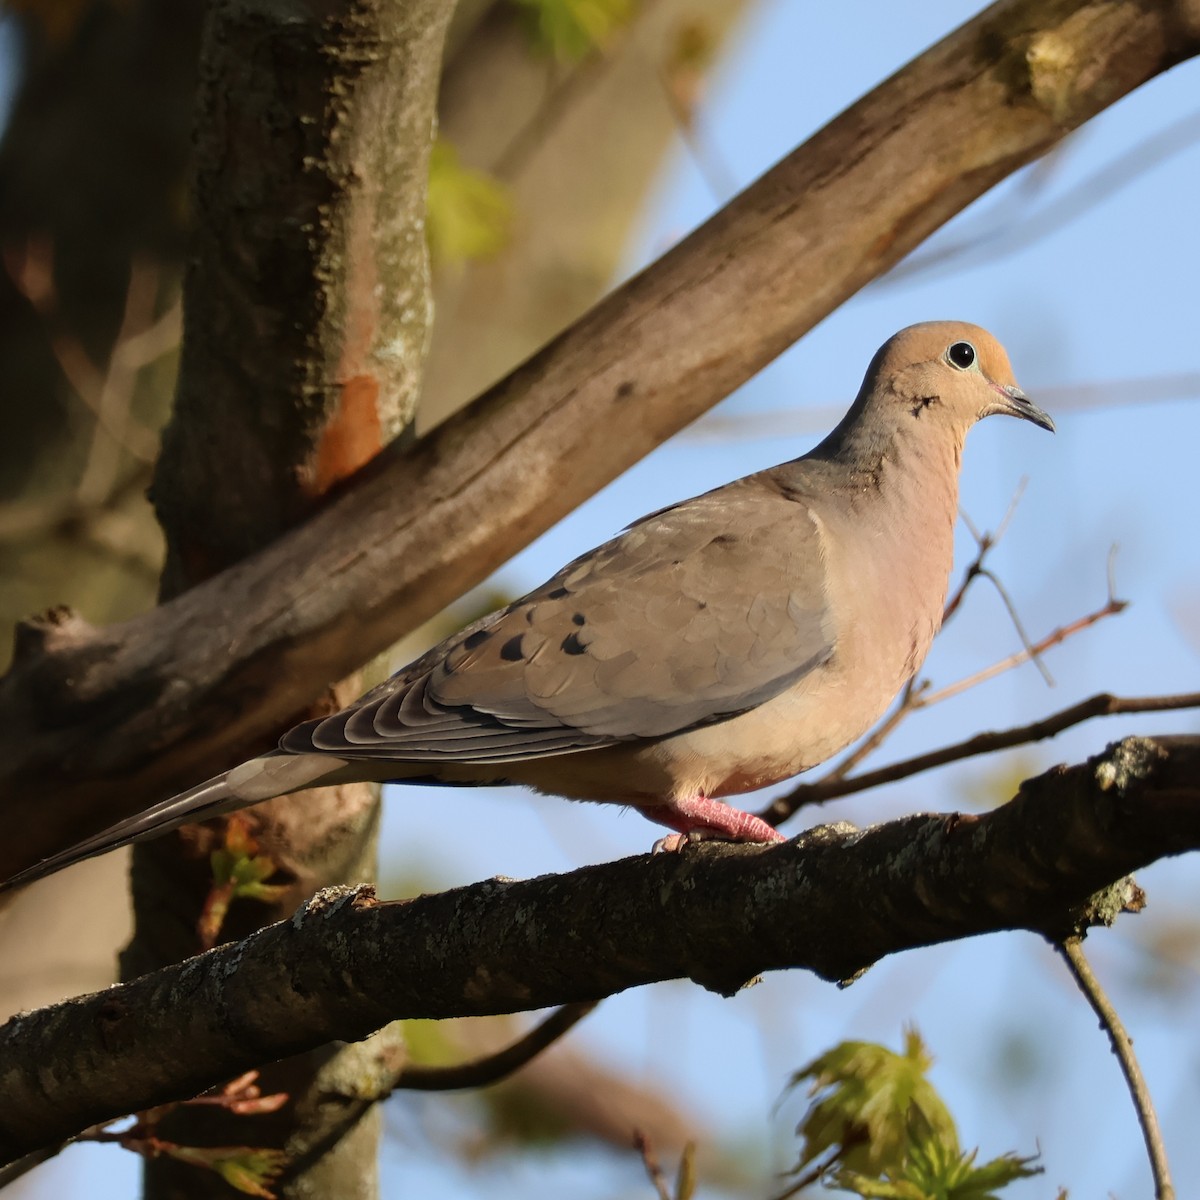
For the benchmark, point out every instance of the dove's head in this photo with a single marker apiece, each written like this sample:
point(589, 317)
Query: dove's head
point(949, 373)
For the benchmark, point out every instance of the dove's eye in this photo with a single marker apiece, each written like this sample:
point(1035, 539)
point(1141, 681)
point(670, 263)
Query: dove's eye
point(961, 355)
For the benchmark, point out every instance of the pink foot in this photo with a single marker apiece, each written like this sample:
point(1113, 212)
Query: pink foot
point(699, 818)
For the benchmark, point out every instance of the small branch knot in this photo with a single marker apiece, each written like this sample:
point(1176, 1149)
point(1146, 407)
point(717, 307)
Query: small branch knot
point(55, 629)
point(1053, 72)
point(1127, 762)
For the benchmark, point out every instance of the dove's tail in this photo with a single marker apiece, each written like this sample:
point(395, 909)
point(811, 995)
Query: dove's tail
point(262, 778)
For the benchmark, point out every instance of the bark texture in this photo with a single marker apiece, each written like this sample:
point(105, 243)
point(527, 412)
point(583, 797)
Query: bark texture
point(307, 309)
point(833, 901)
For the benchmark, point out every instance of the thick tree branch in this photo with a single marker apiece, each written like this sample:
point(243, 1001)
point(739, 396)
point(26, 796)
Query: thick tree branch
point(307, 307)
point(98, 723)
point(833, 901)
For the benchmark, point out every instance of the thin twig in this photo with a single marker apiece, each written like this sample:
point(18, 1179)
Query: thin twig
point(1030, 651)
point(1110, 609)
point(718, 177)
point(1104, 704)
point(993, 235)
point(984, 542)
point(139, 343)
point(66, 513)
point(812, 1175)
point(564, 88)
point(1122, 1045)
point(494, 1067)
point(478, 1073)
point(22, 1166)
point(1013, 503)
point(984, 545)
point(111, 404)
point(654, 1172)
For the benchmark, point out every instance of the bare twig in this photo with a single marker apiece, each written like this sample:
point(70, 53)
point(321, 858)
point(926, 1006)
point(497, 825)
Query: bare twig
point(1103, 704)
point(1011, 511)
point(1110, 608)
point(654, 1172)
point(111, 403)
point(678, 78)
point(984, 543)
point(13, 1171)
point(1031, 651)
point(494, 1067)
point(812, 1175)
point(1122, 1045)
point(104, 483)
point(66, 513)
point(140, 341)
point(563, 90)
point(991, 237)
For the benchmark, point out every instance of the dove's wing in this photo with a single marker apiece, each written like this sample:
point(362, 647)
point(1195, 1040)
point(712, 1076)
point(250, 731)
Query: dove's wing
point(692, 615)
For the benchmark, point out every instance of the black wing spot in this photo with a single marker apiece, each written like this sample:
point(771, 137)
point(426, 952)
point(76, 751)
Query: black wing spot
point(579, 619)
point(725, 539)
point(511, 650)
point(558, 593)
point(476, 639)
point(572, 645)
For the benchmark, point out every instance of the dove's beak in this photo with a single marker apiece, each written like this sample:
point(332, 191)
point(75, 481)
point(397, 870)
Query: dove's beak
point(1017, 404)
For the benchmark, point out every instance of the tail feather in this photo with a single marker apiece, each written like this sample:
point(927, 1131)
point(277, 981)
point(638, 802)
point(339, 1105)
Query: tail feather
point(263, 778)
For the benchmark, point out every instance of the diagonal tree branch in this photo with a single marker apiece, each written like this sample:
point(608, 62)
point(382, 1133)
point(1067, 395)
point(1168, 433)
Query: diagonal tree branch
point(832, 901)
point(97, 723)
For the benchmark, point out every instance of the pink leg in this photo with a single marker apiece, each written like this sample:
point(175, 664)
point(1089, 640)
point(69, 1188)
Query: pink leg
point(698, 817)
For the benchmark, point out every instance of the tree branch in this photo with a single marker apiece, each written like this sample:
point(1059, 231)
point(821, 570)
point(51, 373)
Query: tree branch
point(1071, 950)
point(832, 901)
point(99, 723)
point(1103, 704)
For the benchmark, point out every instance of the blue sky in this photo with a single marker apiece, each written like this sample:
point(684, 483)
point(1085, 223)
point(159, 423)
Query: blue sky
point(1110, 296)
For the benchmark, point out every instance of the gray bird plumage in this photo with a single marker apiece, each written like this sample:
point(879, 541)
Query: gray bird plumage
point(714, 647)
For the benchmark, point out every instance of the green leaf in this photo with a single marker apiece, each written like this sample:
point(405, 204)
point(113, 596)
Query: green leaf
point(252, 1171)
point(248, 1169)
point(863, 1096)
point(935, 1169)
point(468, 213)
point(569, 29)
point(875, 1189)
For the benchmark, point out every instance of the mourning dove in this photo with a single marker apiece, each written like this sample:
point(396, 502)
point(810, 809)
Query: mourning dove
point(713, 648)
